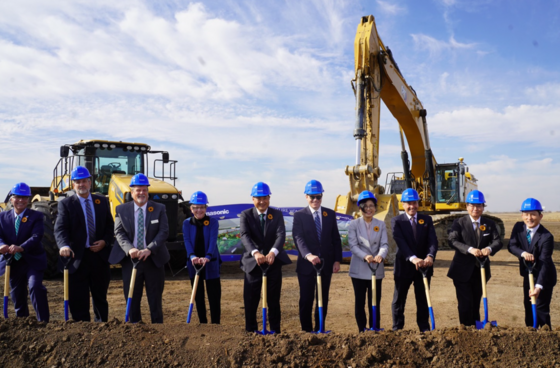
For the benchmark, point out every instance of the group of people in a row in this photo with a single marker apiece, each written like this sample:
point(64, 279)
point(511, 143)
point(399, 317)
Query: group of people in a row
point(84, 232)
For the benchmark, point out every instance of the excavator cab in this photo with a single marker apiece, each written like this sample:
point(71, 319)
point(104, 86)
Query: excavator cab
point(453, 183)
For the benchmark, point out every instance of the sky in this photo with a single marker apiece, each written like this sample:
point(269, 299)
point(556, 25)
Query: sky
point(246, 91)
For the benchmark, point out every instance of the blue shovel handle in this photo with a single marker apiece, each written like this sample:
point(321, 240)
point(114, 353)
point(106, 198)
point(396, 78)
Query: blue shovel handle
point(127, 314)
point(6, 307)
point(432, 318)
point(534, 306)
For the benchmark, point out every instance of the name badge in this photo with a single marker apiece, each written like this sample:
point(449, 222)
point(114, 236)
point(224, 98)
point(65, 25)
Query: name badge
point(155, 221)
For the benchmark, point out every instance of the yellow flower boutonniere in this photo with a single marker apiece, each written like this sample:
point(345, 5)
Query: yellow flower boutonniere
point(150, 209)
point(269, 216)
point(376, 228)
point(325, 213)
point(206, 223)
point(24, 219)
point(97, 201)
point(421, 222)
point(482, 228)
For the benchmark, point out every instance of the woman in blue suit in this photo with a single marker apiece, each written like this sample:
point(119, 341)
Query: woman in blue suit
point(201, 240)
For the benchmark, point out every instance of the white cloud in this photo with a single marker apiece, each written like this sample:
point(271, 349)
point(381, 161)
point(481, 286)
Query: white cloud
point(436, 47)
point(390, 7)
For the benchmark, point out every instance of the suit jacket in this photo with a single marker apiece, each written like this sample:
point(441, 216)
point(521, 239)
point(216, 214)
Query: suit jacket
point(156, 231)
point(29, 238)
point(541, 247)
point(425, 243)
point(306, 240)
point(360, 247)
point(462, 236)
point(212, 268)
point(70, 228)
point(253, 238)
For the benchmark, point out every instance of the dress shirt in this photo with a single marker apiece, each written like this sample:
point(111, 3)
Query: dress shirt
point(474, 228)
point(136, 208)
point(274, 250)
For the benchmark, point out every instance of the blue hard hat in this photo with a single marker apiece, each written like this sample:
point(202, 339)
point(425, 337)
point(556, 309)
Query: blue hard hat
point(79, 173)
point(475, 197)
point(366, 194)
point(21, 189)
point(260, 190)
point(139, 180)
point(409, 195)
point(199, 198)
point(531, 204)
point(313, 187)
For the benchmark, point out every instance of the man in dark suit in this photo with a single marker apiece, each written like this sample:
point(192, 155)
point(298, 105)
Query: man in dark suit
point(141, 229)
point(84, 231)
point(472, 236)
point(532, 243)
point(263, 234)
point(21, 231)
point(316, 237)
point(416, 248)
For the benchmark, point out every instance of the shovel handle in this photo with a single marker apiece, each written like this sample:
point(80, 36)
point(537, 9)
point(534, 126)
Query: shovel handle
point(264, 291)
point(483, 280)
point(532, 287)
point(373, 267)
point(319, 267)
point(198, 269)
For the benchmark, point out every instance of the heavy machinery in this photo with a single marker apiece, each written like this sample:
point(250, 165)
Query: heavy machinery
point(442, 188)
point(112, 164)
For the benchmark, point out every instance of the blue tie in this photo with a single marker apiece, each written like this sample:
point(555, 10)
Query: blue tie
point(318, 224)
point(17, 256)
point(90, 223)
point(528, 236)
point(140, 238)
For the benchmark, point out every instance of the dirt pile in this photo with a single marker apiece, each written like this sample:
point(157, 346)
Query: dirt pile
point(27, 343)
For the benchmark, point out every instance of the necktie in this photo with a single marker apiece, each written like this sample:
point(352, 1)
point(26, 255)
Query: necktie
point(413, 224)
point(528, 236)
point(90, 223)
point(140, 232)
point(17, 256)
point(477, 231)
point(318, 224)
point(262, 222)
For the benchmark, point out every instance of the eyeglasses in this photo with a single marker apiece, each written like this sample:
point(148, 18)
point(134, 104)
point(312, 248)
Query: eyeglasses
point(369, 207)
point(317, 197)
point(198, 208)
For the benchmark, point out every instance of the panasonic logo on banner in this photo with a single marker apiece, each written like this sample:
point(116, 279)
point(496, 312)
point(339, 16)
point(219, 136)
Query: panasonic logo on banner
point(214, 213)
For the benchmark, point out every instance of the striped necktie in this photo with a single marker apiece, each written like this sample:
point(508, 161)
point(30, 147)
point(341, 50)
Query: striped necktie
point(529, 236)
point(17, 256)
point(318, 224)
point(90, 223)
point(140, 233)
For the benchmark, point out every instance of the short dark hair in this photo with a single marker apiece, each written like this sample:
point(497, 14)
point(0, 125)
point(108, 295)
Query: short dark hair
point(362, 204)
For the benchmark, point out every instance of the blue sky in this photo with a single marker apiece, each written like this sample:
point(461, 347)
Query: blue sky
point(244, 91)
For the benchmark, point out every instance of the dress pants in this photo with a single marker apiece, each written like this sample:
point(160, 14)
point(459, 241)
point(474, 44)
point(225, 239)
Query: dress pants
point(469, 295)
point(399, 301)
point(252, 288)
point(93, 275)
point(308, 294)
point(543, 305)
point(154, 278)
point(214, 291)
point(21, 277)
point(361, 287)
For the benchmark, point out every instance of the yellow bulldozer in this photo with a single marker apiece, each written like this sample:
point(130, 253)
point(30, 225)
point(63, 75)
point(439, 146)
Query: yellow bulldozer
point(112, 165)
point(442, 187)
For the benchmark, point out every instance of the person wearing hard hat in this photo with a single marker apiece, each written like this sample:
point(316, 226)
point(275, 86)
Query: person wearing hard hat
point(531, 242)
point(263, 234)
point(417, 246)
point(84, 232)
point(472, 236)
point(200, 233)
point(367, 237)
point(21, 231)
point(141, 229)
point(317, 239)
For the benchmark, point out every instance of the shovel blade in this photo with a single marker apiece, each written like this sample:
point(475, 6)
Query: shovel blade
point(374, 314)
point(480, 324)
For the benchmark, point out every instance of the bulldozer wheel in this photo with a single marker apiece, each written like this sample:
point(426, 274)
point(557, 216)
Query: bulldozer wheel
point(49, 209)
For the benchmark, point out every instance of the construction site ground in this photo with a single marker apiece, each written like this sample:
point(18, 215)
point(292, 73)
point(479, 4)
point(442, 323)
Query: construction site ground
point(27, 343)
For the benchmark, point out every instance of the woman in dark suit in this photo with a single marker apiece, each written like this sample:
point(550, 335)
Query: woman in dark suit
point(201, 240)
point(367, 238)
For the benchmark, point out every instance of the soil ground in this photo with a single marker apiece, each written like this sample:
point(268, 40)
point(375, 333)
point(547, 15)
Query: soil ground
point(27, 343)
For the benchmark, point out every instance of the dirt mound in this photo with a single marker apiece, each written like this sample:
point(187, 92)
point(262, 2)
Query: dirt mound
point(28, 343)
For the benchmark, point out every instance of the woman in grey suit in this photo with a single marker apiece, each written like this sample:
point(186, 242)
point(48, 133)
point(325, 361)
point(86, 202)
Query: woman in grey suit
point(367, 238)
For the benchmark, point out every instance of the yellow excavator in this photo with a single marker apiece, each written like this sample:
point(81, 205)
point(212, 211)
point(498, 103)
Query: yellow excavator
point(442, 187)
point(112, 165)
